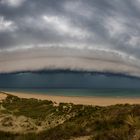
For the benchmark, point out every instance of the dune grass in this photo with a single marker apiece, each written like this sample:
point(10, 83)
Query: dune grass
point(116, 122)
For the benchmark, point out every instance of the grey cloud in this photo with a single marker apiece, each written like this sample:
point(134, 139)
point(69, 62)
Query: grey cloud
point(112, 26)
point(12, 3)
point(50, 57)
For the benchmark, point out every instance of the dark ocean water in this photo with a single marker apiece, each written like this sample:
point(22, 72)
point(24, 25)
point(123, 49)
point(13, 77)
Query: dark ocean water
point(81, 92)
point(69, 80)
point(69, 83)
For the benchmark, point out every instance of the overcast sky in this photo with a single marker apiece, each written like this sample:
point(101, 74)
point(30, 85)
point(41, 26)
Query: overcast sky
point(98, 35)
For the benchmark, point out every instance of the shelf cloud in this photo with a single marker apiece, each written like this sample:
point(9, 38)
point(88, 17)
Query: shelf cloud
point(79, 35)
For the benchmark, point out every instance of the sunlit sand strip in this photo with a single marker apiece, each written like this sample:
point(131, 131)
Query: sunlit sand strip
point(101, 101)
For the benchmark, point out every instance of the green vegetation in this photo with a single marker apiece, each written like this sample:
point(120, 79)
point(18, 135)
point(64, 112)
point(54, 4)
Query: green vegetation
point(28, 107)
point(66, 121)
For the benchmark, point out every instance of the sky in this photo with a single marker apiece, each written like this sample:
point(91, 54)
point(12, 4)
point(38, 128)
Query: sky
point(83, 35)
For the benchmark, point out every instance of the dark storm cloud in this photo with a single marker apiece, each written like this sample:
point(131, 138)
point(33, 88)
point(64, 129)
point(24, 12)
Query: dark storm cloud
point(103, 30)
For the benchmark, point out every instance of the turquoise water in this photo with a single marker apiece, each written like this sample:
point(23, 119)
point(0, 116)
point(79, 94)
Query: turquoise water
point(82, 92)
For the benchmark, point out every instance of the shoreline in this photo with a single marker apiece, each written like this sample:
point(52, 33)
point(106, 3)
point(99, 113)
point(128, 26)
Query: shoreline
point(94, 100)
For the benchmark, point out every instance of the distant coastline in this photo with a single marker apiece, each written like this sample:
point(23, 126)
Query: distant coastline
point(81, 92)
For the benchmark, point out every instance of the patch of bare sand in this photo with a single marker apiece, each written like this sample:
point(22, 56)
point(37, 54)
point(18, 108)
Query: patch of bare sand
point(2, 96)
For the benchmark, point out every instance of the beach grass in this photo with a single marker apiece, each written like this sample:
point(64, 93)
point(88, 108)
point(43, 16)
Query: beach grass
point(69, 121)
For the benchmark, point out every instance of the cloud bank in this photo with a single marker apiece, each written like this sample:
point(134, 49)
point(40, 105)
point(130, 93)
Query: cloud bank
point(78, 35)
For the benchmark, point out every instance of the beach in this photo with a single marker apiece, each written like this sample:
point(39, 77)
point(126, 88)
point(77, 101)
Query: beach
point(29, 118)
point(99, 101)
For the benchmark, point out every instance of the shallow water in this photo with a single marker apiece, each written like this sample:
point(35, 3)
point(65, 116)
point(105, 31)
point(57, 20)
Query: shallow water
point(80, 92)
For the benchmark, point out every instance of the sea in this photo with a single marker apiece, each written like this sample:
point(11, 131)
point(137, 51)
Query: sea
point(128, 93)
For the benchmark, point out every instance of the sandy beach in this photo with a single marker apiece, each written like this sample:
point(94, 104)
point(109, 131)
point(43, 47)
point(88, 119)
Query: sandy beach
point(101, 101)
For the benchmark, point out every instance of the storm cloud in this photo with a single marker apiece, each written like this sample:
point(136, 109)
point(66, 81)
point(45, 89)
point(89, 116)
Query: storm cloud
point(91, 35)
